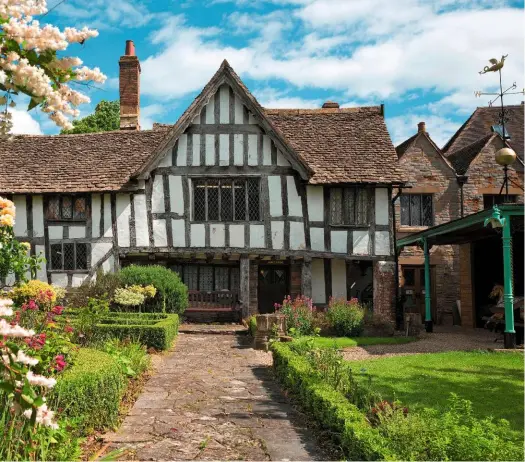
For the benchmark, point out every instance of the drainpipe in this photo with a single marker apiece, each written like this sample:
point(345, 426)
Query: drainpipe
point(462, 179)
point(508, 296)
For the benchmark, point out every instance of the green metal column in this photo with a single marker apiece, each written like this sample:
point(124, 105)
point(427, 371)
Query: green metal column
point(508, 297)
point(428, 299)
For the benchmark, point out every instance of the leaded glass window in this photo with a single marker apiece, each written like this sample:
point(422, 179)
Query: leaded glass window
point(69, 256)
point(350, 206)
point(222, 278)
point(66, 208)
point(223, 199)
point(208, 278)
point(191, 276)
point(417, 210)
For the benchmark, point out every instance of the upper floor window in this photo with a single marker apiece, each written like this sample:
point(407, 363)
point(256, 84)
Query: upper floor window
point(225, 199)
point(350, 206)
point(65, 207)
point(417, 210)
point(490, 200)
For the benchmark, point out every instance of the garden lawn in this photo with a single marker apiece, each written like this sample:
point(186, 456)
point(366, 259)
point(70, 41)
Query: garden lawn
point(492, 381)
point(347, 342)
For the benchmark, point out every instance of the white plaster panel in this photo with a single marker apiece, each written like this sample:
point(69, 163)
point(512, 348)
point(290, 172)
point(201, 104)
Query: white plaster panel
point(267, 150)
point(108, 265)
point(178, 233)
point(160, 238)
point(210, 149)
point(20, 227)
point(197, 235)
point(237, 235)
point(210, 111)
point(382, 205)
point(141, 221)
point(276, 203)
point(251, 119)
point(123, 215)
point(297, 241)
point(59, 279)
point(225, 104)
point(197, 119)
point(95, 214)
point(38, 216)
point(98, 250)
point(166, 160)
point(318, 287)
point(78, 279)
point(157, 195)
point(196, 161)
point(339, 279)
point(182, 150)
point(338, 241)
point(217, 235)
point(239, 110)
point(360, 241)
point(317, 238)
point(224, 149)
point(281, 160)
point(278, 234)
point(295, 209)
point(55, 232)
point(41, 273)
point(108, 229)
point(382, 243)
point(238, 149)
point(257, 236)
point(252, 149)
point(176, 195)
point(77, 232)
point(315, 198)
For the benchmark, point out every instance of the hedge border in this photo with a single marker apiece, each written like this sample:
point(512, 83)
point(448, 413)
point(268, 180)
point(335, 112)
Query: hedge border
point(358, 439)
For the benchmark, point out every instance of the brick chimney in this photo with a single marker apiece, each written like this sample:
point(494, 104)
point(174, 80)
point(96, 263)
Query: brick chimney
point(330, 105)
point(129, 89)
point(421, 127)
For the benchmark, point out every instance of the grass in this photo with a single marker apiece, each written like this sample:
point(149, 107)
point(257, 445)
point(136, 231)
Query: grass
point(347, 342)
point(492, 381)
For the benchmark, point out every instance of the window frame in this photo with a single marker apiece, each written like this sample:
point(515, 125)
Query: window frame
point(513, 200)
point(61, 198)
point(220, 181)
point(75, 268)
point(344, 192)
point(230, 268)
point(421, 195)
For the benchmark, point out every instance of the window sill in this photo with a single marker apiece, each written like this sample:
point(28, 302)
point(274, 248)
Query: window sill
point(243, 222)
point(63, 271)
point(411, 229)
point(350, 226)
point(66, 222)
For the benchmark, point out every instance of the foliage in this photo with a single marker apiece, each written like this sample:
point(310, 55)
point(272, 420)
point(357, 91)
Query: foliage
point(346, 317)
point(30, 64)
point(156, 333)
point(105, 118)
point(86, 318)
point(299, 314)
point(101, 287)
point(349, 342)
point(131, 356)
point(128, 297)
point(252, 326)
point(34, 289)
point(172, 294)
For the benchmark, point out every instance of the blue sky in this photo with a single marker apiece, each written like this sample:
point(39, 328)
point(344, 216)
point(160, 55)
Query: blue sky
point(420, 58)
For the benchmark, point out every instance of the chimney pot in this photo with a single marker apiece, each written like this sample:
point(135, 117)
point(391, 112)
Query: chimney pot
point(130, 48)
point(330, 105)
point(421, 127)
point(129, 89)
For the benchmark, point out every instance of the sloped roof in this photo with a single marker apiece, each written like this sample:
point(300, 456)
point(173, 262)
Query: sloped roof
point(349, 145)
point(462, 158)
point(403, 147)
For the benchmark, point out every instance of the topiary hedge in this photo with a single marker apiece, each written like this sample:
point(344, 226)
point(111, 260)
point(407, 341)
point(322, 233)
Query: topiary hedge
point(172, 294)
point(156, 332)
point(91, 390)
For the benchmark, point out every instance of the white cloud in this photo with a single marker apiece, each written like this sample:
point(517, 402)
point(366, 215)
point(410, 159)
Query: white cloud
point(403, 127)
point(24, 124)
point(274, 99)
point(148, 115)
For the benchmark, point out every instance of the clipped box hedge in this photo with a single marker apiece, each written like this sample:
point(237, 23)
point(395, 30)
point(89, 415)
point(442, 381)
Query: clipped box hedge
point(157, 331)
point(90, 390)
point(357, 438)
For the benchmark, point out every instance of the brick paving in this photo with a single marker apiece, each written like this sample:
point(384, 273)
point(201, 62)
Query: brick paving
point(214, 398)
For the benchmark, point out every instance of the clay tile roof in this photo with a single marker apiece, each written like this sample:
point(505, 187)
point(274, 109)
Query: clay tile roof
point(74, 163)
point(403, 147)
point(462, 158)
point(350, 145)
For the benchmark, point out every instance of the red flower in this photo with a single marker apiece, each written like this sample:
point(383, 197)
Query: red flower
point(68, 329)
point(31, 305)
point(60, 364)
point(57, 310)
point(36, 342)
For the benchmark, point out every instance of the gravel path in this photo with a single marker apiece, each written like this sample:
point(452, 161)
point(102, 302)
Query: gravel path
point(443, 339)
point(213, 398)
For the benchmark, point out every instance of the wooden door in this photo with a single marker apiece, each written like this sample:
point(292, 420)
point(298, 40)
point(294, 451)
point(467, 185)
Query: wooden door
point(272, 287)
point(413, 290)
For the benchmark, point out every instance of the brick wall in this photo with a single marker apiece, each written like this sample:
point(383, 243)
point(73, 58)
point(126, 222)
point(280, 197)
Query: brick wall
point(384, 288)
point(295, 279)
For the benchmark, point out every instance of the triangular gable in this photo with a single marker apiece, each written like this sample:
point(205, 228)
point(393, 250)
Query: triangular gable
point(406, 145)
point(245, 104)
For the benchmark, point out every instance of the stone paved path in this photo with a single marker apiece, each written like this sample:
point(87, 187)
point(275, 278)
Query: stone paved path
point(213, 398)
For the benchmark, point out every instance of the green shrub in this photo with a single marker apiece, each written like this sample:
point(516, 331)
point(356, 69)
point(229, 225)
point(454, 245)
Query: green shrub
point(131, 356)
point(346, 317)
point(299, 314)
point(90, 391)
point(101, 287)
point(172, 294)
point(159, 334)
point(252, 326)
point(86, 318)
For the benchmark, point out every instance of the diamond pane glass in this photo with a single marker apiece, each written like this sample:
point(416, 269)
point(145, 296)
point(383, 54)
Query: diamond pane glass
point(226, 200)
point(199, 201)
point(222, 278)
point(79, 210)
point(235, 279)
point(239, 188)
point(415, 210)
point(362, 206)
point(177, 269)
point(405, 210)
point(190, 277)
point(206, 278)
point(56, 256)
point(213, 200)
point(67, 207)
point(53, 209)
point(69, 256)
point(253, 199)
point(81, 256)
point(336, 201)
point(428, 216)
point(349, 206)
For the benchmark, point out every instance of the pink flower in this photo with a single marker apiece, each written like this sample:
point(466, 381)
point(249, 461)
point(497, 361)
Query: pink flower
point(31, 305)
point(68, 329)
point(60, 364)
point(57, 310)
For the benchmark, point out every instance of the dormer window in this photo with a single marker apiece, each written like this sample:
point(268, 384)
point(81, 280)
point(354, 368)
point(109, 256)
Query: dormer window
point(66, 208)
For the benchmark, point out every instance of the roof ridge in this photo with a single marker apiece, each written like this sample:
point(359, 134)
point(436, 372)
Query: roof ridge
point(73, 135)
point(324, 110)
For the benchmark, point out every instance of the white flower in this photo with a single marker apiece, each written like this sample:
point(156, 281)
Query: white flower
point(40, 380)
point(14, 331)
point(43, 416)
point(21, 357)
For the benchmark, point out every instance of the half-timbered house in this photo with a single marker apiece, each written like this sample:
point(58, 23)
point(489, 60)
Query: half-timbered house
point(247, 204)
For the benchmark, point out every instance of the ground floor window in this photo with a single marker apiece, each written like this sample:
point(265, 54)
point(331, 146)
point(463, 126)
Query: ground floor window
point(490, 200)
point(208, 277)
point(69, 256)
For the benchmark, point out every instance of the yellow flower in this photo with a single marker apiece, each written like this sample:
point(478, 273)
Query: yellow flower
point(6, 203)
point(26, 245)
point(6, 220)
point(8, 211)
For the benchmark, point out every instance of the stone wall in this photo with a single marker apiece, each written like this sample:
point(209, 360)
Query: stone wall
point(466, 289)
point(384, 288)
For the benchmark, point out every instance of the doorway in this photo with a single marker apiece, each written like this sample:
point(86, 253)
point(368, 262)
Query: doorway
point(272, 287)
point(413, 291)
